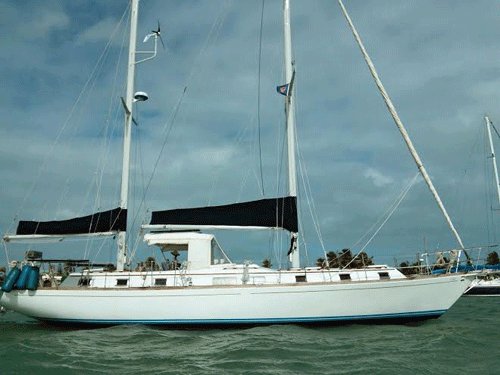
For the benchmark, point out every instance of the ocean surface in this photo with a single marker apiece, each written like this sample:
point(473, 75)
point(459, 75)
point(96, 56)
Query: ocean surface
point(466, 340)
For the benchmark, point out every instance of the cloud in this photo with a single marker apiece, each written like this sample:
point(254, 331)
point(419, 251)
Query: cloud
point(440, 75)
point(48, 21)
point(99, 32)
point(37, 23)
point(378, 179)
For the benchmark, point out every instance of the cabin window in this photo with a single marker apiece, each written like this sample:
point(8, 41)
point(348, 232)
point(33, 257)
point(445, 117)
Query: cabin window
point(384, 275)
point(345, 276)
point(218, 256)
point(84, 281)
point(160, 282)
point(300, 278)
point(121, 282)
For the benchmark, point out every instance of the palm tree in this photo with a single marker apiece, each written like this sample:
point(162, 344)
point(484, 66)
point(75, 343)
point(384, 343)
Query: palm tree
point(345, 257)
point(492, 259)
point(409, 269)
point(150, 264)
point(362, 260)
point(266, 263)
point(333, 259)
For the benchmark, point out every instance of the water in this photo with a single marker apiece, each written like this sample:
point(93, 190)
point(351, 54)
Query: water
point(465, 340)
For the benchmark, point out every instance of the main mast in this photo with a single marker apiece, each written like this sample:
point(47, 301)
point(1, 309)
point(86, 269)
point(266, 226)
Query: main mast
point(121, 257)
point(493, 159)
point(290, 120)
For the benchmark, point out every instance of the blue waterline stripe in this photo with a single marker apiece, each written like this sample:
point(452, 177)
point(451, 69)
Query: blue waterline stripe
point(253, 321)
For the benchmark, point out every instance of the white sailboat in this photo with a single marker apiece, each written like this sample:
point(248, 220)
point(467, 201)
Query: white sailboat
point(209, 289)
point(488, 283)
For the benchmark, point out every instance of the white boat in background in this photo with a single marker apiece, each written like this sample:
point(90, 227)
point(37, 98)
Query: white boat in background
point(485, 285)
point(488, 282)
point(208, 289)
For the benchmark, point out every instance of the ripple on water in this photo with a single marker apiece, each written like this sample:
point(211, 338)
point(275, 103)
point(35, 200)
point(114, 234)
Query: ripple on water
point(464, 340)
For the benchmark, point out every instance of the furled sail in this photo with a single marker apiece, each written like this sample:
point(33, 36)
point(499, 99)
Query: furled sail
point(269, 213)
point(105, 221)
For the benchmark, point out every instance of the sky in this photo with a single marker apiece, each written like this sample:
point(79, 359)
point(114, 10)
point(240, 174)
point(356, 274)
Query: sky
point(212, 98)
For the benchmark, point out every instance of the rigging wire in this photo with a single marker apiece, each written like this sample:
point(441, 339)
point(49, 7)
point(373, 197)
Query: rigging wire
point(167, 131)
point(280, 157)
point(304, 176)
point(243, 184)
point(277, 247)
point(239, 140)
point(74, 111)
point(6, 252)
point(108, 131)
point(68, 118)
point(388, 214)
point(256, 147)
point(169, 124)
point(278, 241)
point(470, 165)
point(306, 183)
point(309, 198)
point(496, 131)
point(258, 98)
point(63, 194)
point(105, 149)
point(401, 128)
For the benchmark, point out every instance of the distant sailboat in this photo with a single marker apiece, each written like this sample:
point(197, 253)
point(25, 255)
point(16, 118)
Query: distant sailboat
point(488, 284)
point(492, 156)
point(209, 289)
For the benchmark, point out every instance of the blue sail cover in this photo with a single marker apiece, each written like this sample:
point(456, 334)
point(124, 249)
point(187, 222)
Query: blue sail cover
point(270, 213)
point(105, 221)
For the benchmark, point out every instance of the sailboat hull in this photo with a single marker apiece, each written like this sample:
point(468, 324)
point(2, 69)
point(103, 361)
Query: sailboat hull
point(321, 303)
point(482, 287)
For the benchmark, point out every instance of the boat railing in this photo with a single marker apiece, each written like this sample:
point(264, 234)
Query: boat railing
point(449, 261)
